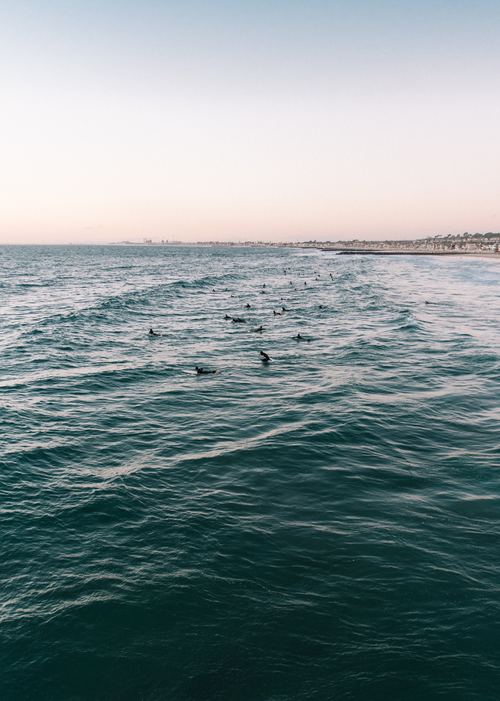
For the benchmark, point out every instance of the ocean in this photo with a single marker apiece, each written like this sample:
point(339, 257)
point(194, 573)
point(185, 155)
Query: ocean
point(324, 526)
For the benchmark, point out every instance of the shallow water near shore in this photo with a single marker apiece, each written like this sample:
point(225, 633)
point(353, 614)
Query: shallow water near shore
point(324, 526)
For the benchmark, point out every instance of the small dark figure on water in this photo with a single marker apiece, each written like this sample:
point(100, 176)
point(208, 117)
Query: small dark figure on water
point(227, 317)
point(247, 306)
point(258, 330)
point(153, 333)
point(284, 309)
point(276, 313)
point(239, 320)
point(264, 357)
point(202, 371)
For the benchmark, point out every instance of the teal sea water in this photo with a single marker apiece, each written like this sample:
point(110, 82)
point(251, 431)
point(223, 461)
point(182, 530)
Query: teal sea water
point(323, 527)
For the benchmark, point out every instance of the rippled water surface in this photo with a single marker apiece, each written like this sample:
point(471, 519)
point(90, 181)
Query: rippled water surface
point(326, 526)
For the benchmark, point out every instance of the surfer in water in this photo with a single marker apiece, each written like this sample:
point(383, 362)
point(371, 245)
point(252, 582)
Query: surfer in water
point(202, 371)
point(227, 317)
point(264, 357)
point(239, 320)
point(259, 329)
point(153, 333)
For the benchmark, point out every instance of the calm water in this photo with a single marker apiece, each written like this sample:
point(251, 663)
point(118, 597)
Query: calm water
point(323, 527)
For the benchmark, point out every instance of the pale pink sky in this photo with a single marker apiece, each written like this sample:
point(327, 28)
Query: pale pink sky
point(305, 133)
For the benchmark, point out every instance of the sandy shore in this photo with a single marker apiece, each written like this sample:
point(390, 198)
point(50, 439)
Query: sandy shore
point(367, 252)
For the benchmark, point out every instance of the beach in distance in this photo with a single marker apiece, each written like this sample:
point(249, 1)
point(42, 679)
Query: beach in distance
point(321, 525)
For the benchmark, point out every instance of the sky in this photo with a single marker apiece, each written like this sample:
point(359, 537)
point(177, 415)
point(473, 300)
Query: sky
point(272, 120)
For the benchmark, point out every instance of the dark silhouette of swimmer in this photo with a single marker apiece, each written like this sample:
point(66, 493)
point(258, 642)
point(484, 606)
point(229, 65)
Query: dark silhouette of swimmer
point(202, 371)
point(239, 320)
point(247, 306)
point(276, 313)
point(227, 317)
point(258, 330)
point(284, 309)
point(264, 357)
point(153, 333)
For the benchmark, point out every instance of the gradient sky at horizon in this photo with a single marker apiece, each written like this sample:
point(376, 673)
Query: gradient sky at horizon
point(261, 120)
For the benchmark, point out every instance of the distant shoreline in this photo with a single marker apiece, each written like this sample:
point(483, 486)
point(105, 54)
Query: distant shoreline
point(368, 252)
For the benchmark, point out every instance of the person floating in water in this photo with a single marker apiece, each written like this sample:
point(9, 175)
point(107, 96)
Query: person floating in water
point(284, 309)
point(276, 313)
point(258, 330)
point(227, 317)
point(153, 333)
point(264, 357)
point(247, 306)
point(202, 371)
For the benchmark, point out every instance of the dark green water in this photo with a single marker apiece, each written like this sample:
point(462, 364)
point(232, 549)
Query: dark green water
point(326, 526)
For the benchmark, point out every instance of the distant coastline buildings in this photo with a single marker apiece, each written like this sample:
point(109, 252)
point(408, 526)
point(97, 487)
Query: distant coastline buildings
point(451, 243)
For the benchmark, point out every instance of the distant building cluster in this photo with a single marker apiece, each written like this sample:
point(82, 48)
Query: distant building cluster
point(451, 243)
point(458, 243)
